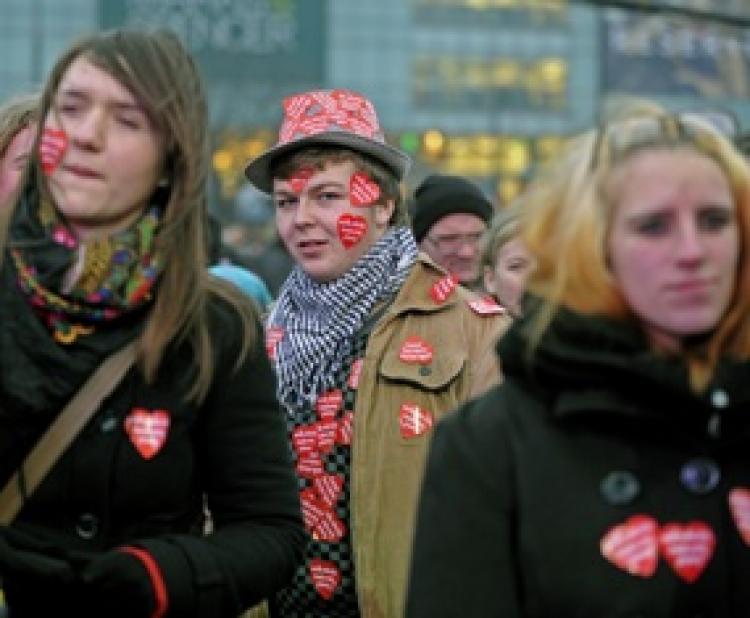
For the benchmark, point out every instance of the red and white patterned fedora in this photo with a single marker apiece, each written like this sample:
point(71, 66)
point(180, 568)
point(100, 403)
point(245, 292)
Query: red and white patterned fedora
point(328, 117)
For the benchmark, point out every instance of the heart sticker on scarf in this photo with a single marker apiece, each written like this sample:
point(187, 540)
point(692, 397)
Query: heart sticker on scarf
point(633, 545)
point(310, 465)
point(329, 528)
point(305, 440)
point(274, 334)
point(687, 548)
point(329, 488)
point(147, 430)
point(299, 179)
point(416, 350)
point(328, 404)
point(351, 229)
point(443, 288)
point(326, 435)
point(52, 149)
point(325, 576)
point(354, 373)
point(344, 431)
point(363, 191)
point(414, 421)
point(739, 505)
point(485, 306)
point(312, 508)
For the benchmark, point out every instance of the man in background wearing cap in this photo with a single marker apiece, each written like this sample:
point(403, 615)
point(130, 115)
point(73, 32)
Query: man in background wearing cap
point(372, 345)
point(450, 216)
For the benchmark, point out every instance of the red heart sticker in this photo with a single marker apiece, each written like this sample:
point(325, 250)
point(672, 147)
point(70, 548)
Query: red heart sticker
point(351, 229)
point(344, 432)
point(443, 288)
point(355, 373)
point(633, 545)
point(305, 440)
point(363, 191)
point(326, 435)
point(328, 404)
point(486, 306)
point(147, 430)
point(310, 466)
point(312, 509)
point(52, 148)
point(416, 350)
point(325, 576)
point(414, 421)
point(273, 335)
point(687, 548)
point(299, 179)
point(329, 488)
point(739, 504)
point(329, 528)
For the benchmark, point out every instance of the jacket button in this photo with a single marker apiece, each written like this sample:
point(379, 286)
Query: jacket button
point(700, 475)
point(108, 424)
point(620, 487)
point(719, 398)
point(87, 526)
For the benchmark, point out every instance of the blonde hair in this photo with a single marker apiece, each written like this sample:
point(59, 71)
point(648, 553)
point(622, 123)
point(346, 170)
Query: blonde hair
point(569, 207)
point(155, 67)
point(503, 228)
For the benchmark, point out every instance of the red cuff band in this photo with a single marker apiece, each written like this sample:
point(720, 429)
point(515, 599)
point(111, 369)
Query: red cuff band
point(154, 574)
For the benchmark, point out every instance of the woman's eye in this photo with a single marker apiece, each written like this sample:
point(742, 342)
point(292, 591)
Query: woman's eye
point(283, 202)
point(128, 121)
point(329, 196)
point(713, 219)
point(652, 226)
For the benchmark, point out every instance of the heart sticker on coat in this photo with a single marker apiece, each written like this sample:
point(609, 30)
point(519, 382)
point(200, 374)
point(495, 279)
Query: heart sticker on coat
point(354, 373)
point(739, 505)
point(329, 488)
point(443, 288)
point(687, 548)
point(52, 149)
point(312, 509)
point(416, 350)
point(351, 229)
point(486, 305)
point(414, 421)
point(147, 430)
point(633, 545)
point(325, 576)
point(344, 431)
point(273, 335)
point(329, 528)
point(328, 404)
point(363, 191)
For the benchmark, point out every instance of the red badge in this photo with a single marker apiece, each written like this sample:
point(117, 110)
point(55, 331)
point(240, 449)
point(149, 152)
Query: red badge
point(274, 334)
point(310, 466)
point(325, 576)
point(344, 432)
point(312, 509)
point(329, 528)
point(147, 430)
point(687, 548)
point(354, 373)
point(486, 306)
point(52, 149)
point(363, 191)
point(633, 545)
point(739, 504)
point(351, 229)
point(443, 288)
point(414, 421)
point(328, 404)
point(329, 488)
point(326, 435)
point(416, 350)
point(305, 440)
point(299, 179)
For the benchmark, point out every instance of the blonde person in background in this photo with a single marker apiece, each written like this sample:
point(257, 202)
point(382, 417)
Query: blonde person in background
point(609, 474)
point(17, 131)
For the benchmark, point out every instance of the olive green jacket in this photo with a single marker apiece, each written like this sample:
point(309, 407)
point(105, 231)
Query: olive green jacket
point(386, 468)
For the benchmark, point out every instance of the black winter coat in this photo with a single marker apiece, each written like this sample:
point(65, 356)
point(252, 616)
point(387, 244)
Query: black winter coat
point(112, 488)
point(592, 483)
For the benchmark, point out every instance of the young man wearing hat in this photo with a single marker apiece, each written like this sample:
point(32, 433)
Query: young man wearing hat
point(372, 345)
point(450, 216)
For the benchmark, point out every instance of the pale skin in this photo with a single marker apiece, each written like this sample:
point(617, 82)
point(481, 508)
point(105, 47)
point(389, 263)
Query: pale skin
point(13, 161)
point(308, 221)
point(506, 280)
point(114, 156)
point(674, 242)
point(464, 260)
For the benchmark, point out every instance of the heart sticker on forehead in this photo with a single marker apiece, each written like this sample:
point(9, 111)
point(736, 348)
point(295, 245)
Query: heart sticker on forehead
point(363, 191)
point(299, 179)
point(52, 149)
point(351, 229)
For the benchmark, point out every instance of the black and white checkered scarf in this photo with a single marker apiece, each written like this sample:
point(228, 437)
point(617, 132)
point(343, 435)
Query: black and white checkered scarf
point(319, 320)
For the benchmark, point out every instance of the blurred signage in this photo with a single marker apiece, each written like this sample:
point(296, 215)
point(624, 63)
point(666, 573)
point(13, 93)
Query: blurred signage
point(257, 40)
point(659, 55)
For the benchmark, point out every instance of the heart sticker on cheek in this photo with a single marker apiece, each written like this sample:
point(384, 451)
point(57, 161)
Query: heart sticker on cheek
point(299, 179)
point(362, 190)
point(351, 229)
point(52, 149)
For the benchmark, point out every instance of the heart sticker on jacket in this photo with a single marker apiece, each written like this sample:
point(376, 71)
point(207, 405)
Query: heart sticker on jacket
point(414, 421)
point(328, 404)
point(354, 374)
point(486, 305)
point(739, 505)
point(363, 191)
point(147, 430)
point(329, 529)
point(443, 288)
point(633, 545)
point(273, 335)
point(351, 229)
point(329, 488)
point(416, 350)
point(687, 548)
point(345, 429)
point(325, 576)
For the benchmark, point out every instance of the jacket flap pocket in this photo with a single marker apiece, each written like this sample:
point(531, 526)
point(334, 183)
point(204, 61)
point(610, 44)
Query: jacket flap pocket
point(442, 369)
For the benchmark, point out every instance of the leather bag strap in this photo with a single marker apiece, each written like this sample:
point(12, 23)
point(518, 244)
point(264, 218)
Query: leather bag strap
point(63, 430)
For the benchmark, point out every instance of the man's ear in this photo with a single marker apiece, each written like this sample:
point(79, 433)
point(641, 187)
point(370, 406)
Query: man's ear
point(383, 212)
point(488, 277)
